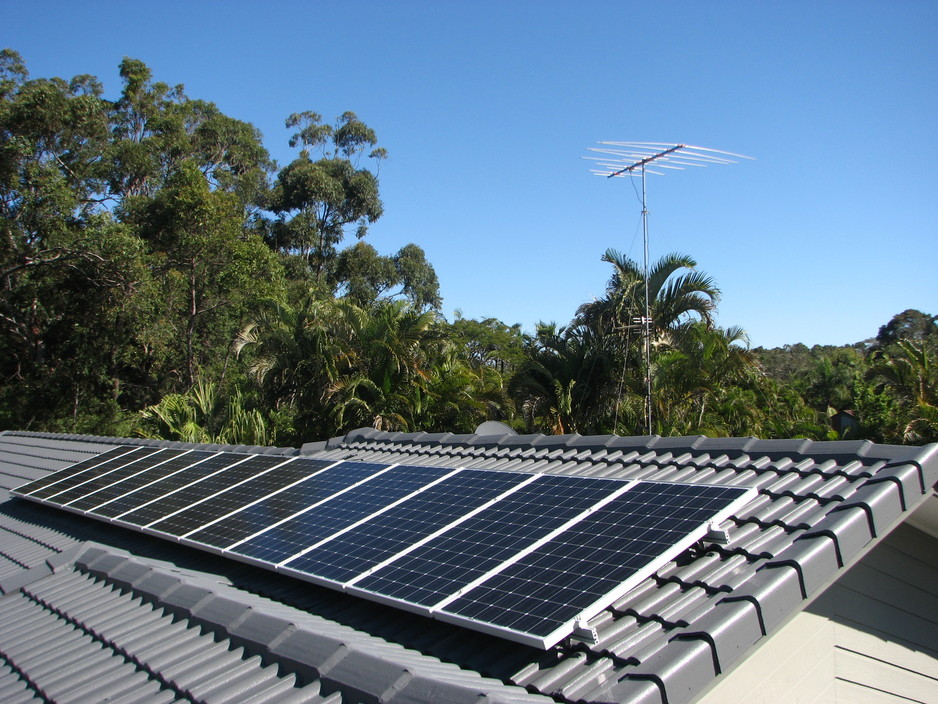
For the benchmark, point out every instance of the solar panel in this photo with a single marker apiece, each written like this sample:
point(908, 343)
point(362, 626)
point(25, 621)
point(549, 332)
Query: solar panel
point(584, 568)
point(523, 556)
point(88, 488)
point(70, 479)
point(239, 496)
point(357, 551)
point(186, 474)
point(282, 505)
point(450, 562)
point(204, 480)
point(287, 539)
point(34, 486)
point(124, 487)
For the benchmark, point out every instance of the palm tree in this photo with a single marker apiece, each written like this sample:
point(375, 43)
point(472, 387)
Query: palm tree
point(458, 395)
point(295, 354)
point(616, 320)
point(673, 298)
point(387, 362)
point(203, 415)
point(905, 369)
point(563, 385)
point(695, 374)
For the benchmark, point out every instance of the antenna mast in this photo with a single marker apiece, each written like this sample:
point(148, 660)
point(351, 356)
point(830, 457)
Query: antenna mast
point(631, 159)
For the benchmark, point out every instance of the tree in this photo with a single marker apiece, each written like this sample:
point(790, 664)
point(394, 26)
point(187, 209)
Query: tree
point(65, 265)
point(390, 351)
point(155, 128)
point(561, 387)
point(203, 415)
point(694, 374)
point(208, 267)
point(489, 343)
point(906, 372)
point(673, 298)
point(912, 325)
point(365, 276)
point(317, 200)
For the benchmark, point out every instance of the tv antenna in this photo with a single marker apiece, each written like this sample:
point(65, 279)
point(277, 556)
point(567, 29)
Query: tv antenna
point(621, 159)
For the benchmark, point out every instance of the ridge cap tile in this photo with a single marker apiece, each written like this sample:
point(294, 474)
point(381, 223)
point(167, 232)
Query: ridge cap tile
point(687, 442)
point(779, 446)
point(730, 628)
point(554, 440)
point(597, 441)
point(644, 442)
point(816, 560)
point(508, 440)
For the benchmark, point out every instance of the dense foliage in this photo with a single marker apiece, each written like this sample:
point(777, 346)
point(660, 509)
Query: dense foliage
point(162, 276)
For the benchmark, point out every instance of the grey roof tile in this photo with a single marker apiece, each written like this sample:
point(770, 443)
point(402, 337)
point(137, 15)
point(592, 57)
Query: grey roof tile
point(821, 505)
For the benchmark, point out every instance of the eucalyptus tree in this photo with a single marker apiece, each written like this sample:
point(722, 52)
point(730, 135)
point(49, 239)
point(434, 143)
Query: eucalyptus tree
point(90, 277)
point(316, 200)
point(65, 265)
point(156, 127)
point(490, 343)
point(209, 271)
point(364, 276)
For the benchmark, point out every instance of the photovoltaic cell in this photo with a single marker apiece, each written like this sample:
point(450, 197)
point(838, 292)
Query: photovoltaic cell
point(289, 538)
point(240, 496)
point(356, 551)
point(277, 507)
point(446, 564)
point(549, 587)
point(33, 487)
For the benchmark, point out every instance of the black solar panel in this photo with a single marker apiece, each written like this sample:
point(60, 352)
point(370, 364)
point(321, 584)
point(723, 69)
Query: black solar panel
point(282, 505)
point(289, 538)
point(88, 488)
point(524, 556)
point(32, 489)
point(221, 505)
point(399, 528)
point(166, 466)
point(213, 476)
point(72, 479)
point(450, 562)
point(188, 473)
point(589, 563)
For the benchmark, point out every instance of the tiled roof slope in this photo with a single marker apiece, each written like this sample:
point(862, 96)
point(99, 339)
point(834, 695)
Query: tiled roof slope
point(821, 505)
point(92, 613)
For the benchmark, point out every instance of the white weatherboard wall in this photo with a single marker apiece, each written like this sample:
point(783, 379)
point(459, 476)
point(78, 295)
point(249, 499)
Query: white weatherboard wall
point(871, 637)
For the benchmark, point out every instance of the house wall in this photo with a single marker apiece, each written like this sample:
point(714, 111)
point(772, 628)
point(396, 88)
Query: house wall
point(871, 637)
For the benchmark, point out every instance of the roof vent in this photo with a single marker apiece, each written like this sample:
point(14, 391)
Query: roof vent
point(494, 427)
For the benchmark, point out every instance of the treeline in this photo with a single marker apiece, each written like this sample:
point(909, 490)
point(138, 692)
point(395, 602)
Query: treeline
point(162, 276)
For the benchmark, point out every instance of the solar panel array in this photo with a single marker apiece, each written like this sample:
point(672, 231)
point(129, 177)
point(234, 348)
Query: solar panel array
point(523, 556)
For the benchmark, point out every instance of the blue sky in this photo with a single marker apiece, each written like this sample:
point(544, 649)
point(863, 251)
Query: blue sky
point(487, 108)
